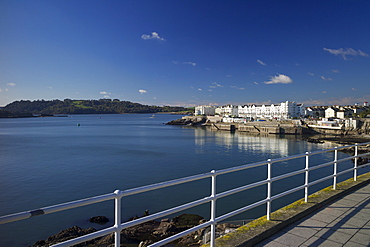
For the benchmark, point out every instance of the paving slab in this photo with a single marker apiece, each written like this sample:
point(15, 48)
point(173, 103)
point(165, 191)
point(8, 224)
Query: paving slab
point(338, 217)
point(348, 226)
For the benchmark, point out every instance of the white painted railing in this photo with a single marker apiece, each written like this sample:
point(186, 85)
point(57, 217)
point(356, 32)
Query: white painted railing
point(118, 194)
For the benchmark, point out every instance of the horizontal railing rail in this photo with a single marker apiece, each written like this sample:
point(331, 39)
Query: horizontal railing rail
point(212, 198)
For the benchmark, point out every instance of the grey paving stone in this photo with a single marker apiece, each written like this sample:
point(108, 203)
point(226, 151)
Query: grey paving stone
point(289, 239)
point(268, 243)
point(301, 231)
point(357, 196)
point(324, 217)
point(361, 238)
point(336, 236)
point(316, 241)
point(355, 221)
point(332, 211)
point(354, 244)
point(313, 224)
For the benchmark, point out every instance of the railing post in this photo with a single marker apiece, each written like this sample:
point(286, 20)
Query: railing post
point(335, 168)
point(355, 168)
point(213, 210)
point(306, 178)
point(268, 189)
point(117, 219)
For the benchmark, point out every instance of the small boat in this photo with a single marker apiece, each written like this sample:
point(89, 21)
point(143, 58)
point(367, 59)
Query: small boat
point(152, 116)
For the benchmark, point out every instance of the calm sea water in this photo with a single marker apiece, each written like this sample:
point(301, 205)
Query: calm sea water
point(47, 161)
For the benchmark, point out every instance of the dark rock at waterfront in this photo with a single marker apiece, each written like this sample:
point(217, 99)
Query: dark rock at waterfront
point(99, 220)
point(189, 120)
point(143, 234)
point(72, 232)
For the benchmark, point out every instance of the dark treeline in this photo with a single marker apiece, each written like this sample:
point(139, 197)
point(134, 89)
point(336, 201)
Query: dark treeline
point(68, 106)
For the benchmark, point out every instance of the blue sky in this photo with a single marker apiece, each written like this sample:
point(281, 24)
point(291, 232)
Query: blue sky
point(186, 53)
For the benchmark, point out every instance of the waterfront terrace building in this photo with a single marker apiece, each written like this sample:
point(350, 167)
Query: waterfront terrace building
point(284, 110)
point(227, 111)
point(315, 111)
point(344, 111)
point(206, 110)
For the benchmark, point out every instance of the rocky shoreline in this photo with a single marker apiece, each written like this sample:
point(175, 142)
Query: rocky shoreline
point(141, 235)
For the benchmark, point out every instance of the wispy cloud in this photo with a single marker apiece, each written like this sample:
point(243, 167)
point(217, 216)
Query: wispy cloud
point(237, 88)
point(188, 63)
point(354, 89)
point(280, 78)
point(336, 101)
point(51, 88)
point(104, 93)
point(199, 89)
point(260, 62)
point(153, 35)
point(255, 82)
point(335, 71)
point(11, 84)
point(311, 74)
point(215, 85)
point(142, 91)
point(344, 52)
point(326, 78)
point(191, 63)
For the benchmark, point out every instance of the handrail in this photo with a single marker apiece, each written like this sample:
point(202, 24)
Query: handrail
point(118, 194)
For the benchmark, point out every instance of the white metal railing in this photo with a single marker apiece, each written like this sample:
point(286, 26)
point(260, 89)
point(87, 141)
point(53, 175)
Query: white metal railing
point(118, 194)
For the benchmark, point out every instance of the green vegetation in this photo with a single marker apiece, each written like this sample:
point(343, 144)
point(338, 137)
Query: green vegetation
point(364, 114)
point(68, 106)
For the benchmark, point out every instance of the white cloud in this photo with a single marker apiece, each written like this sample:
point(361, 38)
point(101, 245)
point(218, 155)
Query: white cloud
point(51, 88)
point(142, 91)
point(106, 96)
point(1, 90)
point(153, 35)
point(255, 83)
point(280, 78)
point(189, 63)
point(335, 71)
point(105, 93)
point(237, 88)
point(344, 52)
point(260, 62)
point(215, 85)
point(326, 78)
point(199, 89)
point(311, 74)
point(323, 91)
point(354, 89)
point(11, 84)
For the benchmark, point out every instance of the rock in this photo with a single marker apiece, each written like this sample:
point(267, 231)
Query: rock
point(102, 220)
point(188, 120)
point(145, 243)
point(64, 235)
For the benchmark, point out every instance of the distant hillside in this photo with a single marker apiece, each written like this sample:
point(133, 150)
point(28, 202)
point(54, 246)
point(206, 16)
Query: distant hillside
point(68, 106)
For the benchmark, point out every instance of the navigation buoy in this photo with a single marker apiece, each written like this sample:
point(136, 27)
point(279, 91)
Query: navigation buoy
point(78, 124)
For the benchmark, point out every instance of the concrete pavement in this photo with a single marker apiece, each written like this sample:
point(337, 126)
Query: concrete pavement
point(345, 222)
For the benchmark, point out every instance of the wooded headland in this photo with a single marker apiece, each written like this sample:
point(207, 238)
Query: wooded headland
point(27, 108)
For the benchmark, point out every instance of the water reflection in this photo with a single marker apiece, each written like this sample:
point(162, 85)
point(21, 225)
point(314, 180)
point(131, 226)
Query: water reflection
point(276, 145)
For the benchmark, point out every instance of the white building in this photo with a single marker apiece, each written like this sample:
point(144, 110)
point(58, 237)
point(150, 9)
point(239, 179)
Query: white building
point(205, 110)
point(315, 111)
point(229, 110)
point(283, 110)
